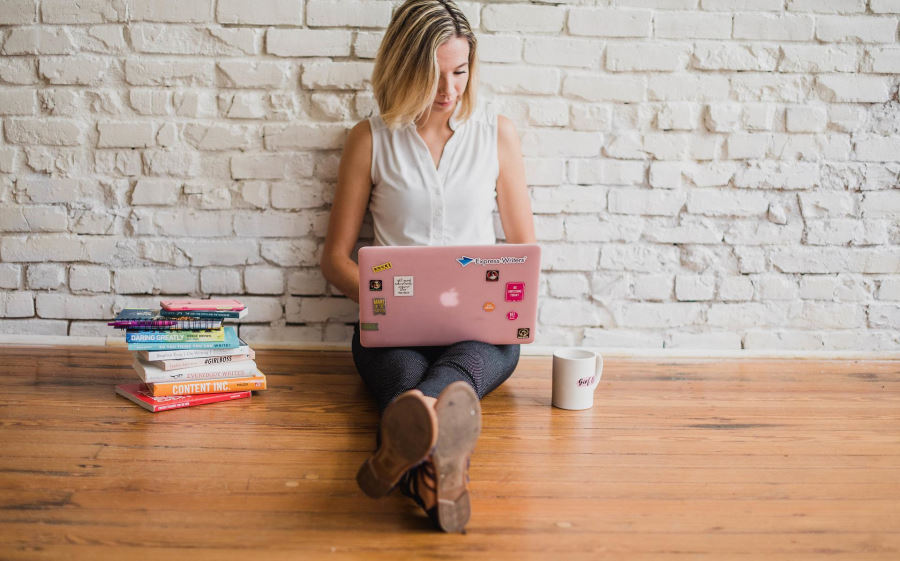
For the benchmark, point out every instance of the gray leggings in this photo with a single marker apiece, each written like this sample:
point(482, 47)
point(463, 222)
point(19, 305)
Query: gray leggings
point(389, 371)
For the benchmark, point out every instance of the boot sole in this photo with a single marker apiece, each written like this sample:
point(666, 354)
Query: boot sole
point(408, 433)
point(459, 424)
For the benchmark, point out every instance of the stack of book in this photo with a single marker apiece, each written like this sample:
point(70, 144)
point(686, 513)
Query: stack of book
point(185, 356)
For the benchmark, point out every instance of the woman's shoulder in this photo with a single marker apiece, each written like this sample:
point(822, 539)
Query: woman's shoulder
point(359, 139)
point(505, 126)
point(363, 126)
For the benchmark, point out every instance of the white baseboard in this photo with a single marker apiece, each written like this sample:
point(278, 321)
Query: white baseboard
point(527, 350)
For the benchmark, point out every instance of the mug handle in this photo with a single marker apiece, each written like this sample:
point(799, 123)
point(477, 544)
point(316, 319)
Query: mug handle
point(599, 371)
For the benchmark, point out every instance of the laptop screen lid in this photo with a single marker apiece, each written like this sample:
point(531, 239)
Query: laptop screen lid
point(426, 295)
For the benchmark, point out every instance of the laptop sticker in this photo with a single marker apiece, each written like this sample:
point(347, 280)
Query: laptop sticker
point(485, 261)
point(382, 267)
point(368, 326)
point(488, 307)
point(523, 333)
point(515, 291)
point(378, 307)
point(512, 316)
point(375, 285)
point(403, 286)
point(492, 276)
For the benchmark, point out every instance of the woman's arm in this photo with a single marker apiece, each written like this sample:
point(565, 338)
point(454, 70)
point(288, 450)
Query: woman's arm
point(351, 198)
point(513, 200)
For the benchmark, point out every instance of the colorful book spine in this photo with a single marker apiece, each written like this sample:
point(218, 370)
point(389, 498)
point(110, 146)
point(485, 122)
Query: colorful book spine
point(152, 374)
point(151, 319)
point(177, 336)
point(250, 383)
point(181, 364)
point(230, 342)
point(140, 394)
point(170, 324)
point(143, 323)
point(179, 354)
point(205, 314)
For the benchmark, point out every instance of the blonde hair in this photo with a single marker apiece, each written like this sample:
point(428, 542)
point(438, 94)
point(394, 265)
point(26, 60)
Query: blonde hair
point(406, 75)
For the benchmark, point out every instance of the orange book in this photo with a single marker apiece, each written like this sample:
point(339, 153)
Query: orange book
point(195, 387)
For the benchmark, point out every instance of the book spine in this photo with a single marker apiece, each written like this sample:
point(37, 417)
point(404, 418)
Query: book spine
point(144, 323)
point(209, 386)
point(174, 325)
point(174, 336)
point(161, 346)
point(167, 376)
point(178, 354)
point(201, 361)
point(203, 400)
point(200, 314)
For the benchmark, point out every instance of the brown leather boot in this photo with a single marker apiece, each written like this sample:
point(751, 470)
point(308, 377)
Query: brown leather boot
point(408, 433)
point(459, 424)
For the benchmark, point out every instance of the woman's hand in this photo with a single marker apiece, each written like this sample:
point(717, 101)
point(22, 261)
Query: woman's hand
point(351, 198)
point(513, 200)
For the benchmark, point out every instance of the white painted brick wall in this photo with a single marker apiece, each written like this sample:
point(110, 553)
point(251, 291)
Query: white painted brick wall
point(712, 174)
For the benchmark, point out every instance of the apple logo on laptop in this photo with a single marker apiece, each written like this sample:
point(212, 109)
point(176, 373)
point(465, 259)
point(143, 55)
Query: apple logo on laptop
point(450, 298)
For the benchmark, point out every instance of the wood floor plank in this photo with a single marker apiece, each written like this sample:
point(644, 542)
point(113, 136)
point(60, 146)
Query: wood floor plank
point(678, 459)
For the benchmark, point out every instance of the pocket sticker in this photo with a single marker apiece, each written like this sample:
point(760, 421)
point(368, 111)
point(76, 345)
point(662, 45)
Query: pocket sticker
point(378, 307)
point(512, 316)
point(515, 291)
point(403, 286)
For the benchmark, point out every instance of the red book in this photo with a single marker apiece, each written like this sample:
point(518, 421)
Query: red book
point(140, 394)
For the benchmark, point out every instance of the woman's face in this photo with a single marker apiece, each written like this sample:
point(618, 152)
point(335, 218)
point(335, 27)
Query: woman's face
point(453, 62)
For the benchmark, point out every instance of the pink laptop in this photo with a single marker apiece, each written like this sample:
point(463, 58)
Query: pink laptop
point(423, 295)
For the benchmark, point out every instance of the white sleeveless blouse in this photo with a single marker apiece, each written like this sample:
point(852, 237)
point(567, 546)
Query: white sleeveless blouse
point(414, 203)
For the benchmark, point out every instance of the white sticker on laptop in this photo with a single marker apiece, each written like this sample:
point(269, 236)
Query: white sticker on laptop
point(403, 286)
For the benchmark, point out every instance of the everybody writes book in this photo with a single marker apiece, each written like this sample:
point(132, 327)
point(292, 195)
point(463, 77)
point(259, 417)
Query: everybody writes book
point(140, 394)
point(152, 374)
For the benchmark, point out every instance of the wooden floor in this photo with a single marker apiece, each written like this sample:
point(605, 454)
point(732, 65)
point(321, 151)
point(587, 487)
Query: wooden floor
point(678, 459)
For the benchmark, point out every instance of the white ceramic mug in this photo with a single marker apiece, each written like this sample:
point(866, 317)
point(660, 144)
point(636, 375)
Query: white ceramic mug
point(576, 373)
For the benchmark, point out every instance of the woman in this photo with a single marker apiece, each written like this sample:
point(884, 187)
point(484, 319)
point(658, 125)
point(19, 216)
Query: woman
point(429, 168)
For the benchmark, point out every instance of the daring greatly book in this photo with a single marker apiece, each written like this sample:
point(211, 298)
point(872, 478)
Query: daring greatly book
point(180, 336)
point(231, 341)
